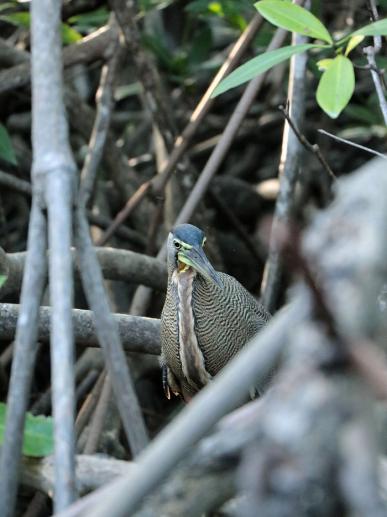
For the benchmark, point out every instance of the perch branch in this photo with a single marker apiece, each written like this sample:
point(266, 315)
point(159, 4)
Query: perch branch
point(138, 334)
point(123, 265)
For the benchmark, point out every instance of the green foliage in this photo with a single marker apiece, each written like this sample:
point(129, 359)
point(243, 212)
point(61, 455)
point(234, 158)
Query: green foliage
point(293, 18)
point(230, 10)
point(337, 82)
point(336, 86)
point(38, 433)
point(3, 278)
point(6, 149)
point(258, 65)
point(23, 19)
point(378, 28)
point(89, 21)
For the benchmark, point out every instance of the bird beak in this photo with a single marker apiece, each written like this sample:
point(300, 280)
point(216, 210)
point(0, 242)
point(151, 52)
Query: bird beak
point(196, 258)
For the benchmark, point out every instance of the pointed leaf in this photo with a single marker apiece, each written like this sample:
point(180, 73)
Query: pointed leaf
point(353, 42)
point(378, 28)
point(336, 86)
point(3, 278)
point(38, 433)
point(258, 65)
point(293, 18)
point(69, 35)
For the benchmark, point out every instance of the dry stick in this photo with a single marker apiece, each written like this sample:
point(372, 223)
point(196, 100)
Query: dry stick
point(89, 404)
point(313, 148)
point(104, 103)
point(353, 144)
point(86, 384)
point(55, 176)
point(142, 295)
point(98, 419)
point(159, 182)
point(225, 393)
point(288, 173)
point(23, 361)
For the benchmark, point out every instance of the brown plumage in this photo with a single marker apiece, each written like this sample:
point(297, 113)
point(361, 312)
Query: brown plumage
point(207, 317)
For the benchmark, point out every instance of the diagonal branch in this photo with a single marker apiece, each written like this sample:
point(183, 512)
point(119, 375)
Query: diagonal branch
point(23, 359)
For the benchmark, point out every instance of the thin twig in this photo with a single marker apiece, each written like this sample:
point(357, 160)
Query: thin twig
point(98, 420)
point(353, 144)
point(88, 406)
point(313, 148)
point(104, 105)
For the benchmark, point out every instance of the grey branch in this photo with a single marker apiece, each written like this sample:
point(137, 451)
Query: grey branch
point(288, 175)
point(96, 46)
point(116, 264)
point(91, 472)
point(140, 335)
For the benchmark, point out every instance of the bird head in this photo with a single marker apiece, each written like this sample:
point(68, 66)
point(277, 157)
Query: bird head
point(185, 250)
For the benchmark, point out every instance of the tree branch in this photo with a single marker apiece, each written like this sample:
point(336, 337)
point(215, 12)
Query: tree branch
point(138, 334)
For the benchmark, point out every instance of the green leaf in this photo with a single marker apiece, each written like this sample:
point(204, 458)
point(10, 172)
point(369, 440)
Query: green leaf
point(293, 18)
point(38, 433)
point(21, 19)
point(353, 42)
point(324, 64)
point(378, 28)
point(69, 35)
point(258, 65)
point(90, 19)
point(3, 278)
point(6, 149)
point(336, 86)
